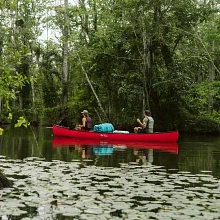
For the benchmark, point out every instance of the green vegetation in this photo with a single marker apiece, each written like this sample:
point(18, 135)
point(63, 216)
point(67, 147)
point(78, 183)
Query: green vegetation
point(114, 58)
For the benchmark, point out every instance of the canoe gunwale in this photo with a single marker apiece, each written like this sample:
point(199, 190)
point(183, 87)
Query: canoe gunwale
point(162, 132)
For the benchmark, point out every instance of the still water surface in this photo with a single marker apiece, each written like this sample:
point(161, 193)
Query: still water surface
point(60, 179)
point(193, 153)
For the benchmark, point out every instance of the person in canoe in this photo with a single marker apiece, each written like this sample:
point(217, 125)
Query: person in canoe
point(86, 122)
point(147, 125)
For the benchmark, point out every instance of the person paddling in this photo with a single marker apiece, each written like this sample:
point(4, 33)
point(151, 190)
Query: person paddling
point(86, 122)
point(147, 125)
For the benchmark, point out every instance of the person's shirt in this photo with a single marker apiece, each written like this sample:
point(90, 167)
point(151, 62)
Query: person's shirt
point(149, 122)
point(150, 126)
point(88, 123)
point(145, 121)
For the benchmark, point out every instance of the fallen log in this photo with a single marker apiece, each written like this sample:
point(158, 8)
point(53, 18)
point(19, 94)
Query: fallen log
point(4, 181)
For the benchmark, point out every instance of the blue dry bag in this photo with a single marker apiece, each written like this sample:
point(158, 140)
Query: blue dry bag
point(105, 127)
point(102, 151)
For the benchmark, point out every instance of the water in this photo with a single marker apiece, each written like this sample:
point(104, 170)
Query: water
point(64, 179)
point(192, 153)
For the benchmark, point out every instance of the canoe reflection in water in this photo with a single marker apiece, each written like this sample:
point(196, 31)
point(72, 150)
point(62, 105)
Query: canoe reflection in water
point(142, 151)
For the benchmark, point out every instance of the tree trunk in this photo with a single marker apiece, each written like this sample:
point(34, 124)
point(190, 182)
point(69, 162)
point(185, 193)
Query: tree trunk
point(0, 105)
point(93, 90)
point(15, 31)
point(145, 66)
point(212, 67)
point(65, 55)
point(146, 62)
point(85, 32)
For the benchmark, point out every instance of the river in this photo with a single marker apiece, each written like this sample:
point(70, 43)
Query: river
point(192, 162)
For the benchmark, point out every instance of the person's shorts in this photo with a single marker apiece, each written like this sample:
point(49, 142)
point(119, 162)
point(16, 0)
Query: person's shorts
point(141, 130)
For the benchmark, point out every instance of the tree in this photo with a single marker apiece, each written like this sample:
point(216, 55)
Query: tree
point(65, 32)
point(21, 47)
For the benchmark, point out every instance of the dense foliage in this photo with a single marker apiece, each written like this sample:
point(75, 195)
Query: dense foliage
point(114, 58)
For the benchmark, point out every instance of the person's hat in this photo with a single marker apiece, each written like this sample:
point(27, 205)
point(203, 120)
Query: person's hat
point(85, 112)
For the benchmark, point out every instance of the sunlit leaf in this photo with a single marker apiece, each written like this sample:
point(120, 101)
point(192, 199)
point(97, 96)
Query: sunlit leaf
point(22, 121)
point(9, 116)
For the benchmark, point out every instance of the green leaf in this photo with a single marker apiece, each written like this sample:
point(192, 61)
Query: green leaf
point(9, 116)
point(22, 121)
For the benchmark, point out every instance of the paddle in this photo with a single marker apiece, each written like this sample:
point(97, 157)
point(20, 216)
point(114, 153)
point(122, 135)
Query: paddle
point(59, 122)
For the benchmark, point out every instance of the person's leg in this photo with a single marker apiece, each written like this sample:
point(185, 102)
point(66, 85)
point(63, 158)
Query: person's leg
point(78, 128)
point(136, 130)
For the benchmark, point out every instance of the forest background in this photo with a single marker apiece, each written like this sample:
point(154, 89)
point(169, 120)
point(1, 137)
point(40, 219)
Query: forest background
point(113, 58)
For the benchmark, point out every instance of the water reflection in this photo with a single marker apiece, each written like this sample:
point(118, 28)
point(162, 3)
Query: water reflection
point(144, 156)
point(192, 153)
point(143, 152)
point(103, 150)
point(67, 142)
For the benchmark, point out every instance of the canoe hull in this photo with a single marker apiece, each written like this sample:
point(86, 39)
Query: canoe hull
point(171, 136)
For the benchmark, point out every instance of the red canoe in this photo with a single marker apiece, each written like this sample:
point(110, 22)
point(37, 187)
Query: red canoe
point(171, 147)
point(171, 136)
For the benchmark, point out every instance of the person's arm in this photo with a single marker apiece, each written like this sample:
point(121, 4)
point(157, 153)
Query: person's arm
point(143, 125)
point(84, 122)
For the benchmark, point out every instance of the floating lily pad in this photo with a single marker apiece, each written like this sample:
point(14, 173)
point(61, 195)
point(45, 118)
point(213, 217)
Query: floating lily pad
point(129, 192)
